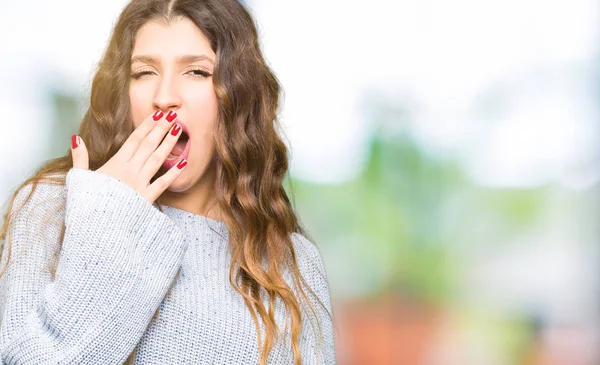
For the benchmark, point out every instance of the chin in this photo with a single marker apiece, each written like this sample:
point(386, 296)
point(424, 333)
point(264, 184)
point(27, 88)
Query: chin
point(180, 184)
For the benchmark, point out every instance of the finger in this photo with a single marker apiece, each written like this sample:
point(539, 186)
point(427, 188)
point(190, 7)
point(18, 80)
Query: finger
point(152, 140)
point(156, 159)
point(79, 153)
point(133, 142)
point(162, 183)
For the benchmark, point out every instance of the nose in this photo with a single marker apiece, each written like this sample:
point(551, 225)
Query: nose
point(167, 95)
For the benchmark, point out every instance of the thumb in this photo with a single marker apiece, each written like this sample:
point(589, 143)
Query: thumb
point(79, 153)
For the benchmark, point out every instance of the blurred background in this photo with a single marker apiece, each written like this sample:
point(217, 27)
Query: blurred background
point(445, 158)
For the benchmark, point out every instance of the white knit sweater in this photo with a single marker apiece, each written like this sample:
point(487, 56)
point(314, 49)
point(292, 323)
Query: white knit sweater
point(121, 260)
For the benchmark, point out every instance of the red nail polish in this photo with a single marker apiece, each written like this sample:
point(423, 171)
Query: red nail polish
point(176, 128)
point(74, 141)
point(171, 116)
point(157, 115)
point(182, 164)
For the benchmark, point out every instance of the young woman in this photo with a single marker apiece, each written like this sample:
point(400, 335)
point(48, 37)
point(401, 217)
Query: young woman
point(165, 236)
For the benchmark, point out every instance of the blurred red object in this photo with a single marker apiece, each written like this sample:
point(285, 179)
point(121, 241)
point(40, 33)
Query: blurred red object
point(384, 331)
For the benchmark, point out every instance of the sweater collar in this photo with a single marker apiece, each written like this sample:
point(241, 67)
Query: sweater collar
point(195, 223)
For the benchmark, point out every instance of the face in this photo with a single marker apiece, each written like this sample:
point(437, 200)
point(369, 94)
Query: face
point(163, 79)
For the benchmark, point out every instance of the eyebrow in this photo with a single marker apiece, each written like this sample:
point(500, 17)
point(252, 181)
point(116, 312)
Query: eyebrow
point(188, 58)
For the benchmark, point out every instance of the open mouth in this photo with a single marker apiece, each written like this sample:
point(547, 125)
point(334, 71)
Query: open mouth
point(181, 147)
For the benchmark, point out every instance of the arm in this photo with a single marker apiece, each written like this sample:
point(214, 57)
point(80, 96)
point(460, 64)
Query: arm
point(314, 349)
point(118, 258)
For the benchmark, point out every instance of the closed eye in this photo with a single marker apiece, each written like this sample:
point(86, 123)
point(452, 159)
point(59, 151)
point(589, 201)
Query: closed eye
point(137, 75)
point(200, 73)
point(195, 73)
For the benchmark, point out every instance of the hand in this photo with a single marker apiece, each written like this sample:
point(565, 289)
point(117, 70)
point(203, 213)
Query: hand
point(140, 157)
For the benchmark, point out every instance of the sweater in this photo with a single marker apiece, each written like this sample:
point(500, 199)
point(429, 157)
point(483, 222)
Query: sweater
point(128, 275)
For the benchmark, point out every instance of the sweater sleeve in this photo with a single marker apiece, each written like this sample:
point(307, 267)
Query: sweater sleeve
point(317, 340)
point(118, 258)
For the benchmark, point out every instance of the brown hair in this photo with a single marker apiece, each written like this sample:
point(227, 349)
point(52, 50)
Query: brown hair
point(251, 159)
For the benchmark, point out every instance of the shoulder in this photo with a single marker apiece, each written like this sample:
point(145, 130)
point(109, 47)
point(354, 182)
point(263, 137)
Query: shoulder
point(306, 250)
point(310, 261)
point(36, 215)
point(46, 195)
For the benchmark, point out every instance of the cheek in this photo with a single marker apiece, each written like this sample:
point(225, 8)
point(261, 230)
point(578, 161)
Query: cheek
point(205, 108)
point(138, 102)
point(202, 100)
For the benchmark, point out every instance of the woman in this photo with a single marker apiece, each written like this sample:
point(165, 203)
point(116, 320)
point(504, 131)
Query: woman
point(139, 249)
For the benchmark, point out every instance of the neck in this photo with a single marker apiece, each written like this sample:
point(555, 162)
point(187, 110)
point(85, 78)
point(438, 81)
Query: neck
point(200, 199)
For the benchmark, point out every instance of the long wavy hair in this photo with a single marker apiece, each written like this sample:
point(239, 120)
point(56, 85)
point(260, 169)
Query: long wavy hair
point(250, 158)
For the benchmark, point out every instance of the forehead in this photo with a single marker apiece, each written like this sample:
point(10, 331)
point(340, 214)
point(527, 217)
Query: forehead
point(179, 37)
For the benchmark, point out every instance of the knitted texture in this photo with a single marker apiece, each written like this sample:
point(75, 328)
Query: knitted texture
point(130, 276)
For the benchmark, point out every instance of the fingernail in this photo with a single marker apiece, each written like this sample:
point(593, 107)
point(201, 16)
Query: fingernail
point(176, 128)
point(171, 116)
point(157, 115)
point(182, 164)
point(75, 141)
